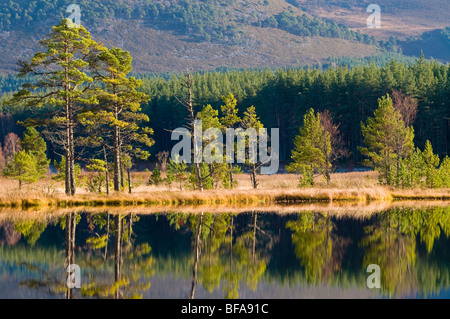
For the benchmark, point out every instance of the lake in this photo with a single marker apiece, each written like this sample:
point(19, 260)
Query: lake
point(304, 254)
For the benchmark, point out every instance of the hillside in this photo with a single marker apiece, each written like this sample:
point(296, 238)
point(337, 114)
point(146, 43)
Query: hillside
point(402, 18)
point(166, 36)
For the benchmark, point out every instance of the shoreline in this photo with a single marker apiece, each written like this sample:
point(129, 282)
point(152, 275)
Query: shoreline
point(231, 197)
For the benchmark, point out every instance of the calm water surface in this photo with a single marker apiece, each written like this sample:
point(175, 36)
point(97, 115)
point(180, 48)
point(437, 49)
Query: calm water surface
point(224, 255)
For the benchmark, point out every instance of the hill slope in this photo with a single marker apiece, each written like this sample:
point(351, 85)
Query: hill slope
point(165, 36)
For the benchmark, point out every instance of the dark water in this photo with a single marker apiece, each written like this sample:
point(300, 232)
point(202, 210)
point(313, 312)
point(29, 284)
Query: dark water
point(223, 255)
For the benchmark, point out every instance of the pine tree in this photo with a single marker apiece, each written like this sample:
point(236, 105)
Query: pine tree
point(229, 119)
point(155, 177)
point(176, 172)
point(62, 71)
point(388, 141)
point(120, 109)
point(95, 183)
point(35, 145)
point(251, 121)
point(431, 161)
point(216, 167)
point(312, 149)
point(22, 168)
point(444, 172)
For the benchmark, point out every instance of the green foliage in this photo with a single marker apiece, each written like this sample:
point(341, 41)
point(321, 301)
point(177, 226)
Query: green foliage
point(282, 97)
point(312, 242)
point(177, 172)
point(444, 172)
point(22, 168)
point(431, 162)
point(388, 141)
point(205, 175)
point(310, 26)
point(210, 20)
point(97, 242)
point(31, 230)
point(155, 177)
point(35, 145)
point(311, 148)
point(229, 117)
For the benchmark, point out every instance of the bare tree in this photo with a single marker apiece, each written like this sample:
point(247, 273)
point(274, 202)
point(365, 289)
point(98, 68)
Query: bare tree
point(338, 149)
point(188, 103)
point(12, 146)
point(2, 159)
point(162, 160)
point(406, 106)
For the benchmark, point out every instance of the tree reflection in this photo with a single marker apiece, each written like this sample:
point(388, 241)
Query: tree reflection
point(312, 239)
point(391, 243)
point(132, 264)
point(71, 223)
point(227, 253)
point(221, 256)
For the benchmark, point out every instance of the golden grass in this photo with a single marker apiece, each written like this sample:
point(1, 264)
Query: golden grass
point(356, 187)
point(339, 209)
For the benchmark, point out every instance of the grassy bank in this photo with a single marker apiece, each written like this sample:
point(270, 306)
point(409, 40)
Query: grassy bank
point(279, 189)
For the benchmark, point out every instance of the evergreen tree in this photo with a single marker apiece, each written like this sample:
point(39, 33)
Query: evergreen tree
point(251, 121)
point(62, 72)
point(22, 168)
point(176, 172)
point(155, 177)
point(229, 119)
point(312, 149)
point(212, 148)
point(431, 162)
point(388, 141)
point(444, 172)
point(95, 183)
point(35, 145)
point(120, 109)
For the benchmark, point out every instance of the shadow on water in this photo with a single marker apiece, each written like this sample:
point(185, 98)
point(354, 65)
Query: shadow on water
point(226, 255)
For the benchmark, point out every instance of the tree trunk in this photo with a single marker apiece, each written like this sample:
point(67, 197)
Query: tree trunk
point(106, 172)
point(70, 245)
point(129, 180)
point(67, 170)
point(190, 107)
point(117, 252)
point(231, 175)
point(130, 224)
point(68, 148)
point(196, 255)
point(254, 239)
point(253, 176)
point(72, 158)
point(117, 161)
point(107, 237)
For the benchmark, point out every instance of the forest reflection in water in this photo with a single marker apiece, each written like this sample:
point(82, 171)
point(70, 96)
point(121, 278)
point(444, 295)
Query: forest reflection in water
point(227, 255)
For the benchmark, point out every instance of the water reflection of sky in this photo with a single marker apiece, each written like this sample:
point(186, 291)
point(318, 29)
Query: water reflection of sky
point(248, 255)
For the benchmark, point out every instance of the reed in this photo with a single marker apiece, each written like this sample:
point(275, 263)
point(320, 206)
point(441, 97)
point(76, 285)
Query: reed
point(357, 187)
